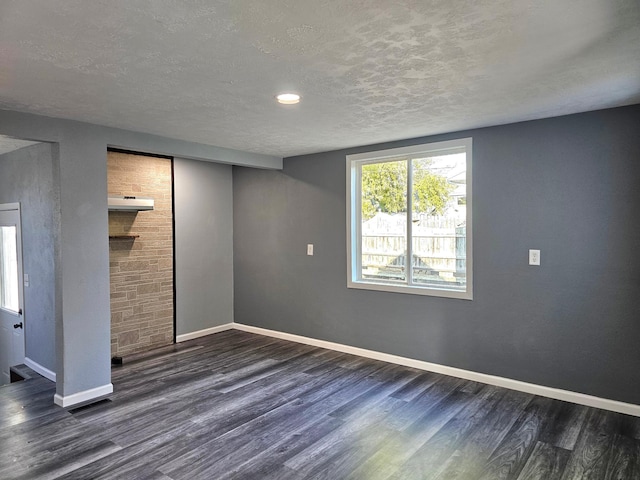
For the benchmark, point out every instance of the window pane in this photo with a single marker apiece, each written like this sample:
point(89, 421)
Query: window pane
point(384, 221)
point(8, 269)
point(438, 221)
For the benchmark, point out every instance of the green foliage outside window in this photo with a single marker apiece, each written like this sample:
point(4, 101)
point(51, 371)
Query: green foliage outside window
point(384, 188)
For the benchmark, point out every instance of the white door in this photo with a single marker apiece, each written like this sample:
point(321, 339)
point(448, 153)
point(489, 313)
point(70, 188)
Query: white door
point(11, 299)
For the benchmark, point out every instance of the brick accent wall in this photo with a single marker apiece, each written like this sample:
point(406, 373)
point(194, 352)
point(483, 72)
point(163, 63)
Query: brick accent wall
point(141, 269)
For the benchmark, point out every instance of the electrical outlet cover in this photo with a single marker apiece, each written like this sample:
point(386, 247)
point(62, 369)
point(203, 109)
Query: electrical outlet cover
point(534, 257)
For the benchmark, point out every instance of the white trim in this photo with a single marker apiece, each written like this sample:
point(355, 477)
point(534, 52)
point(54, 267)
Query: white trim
point(86, 396)
point(201, 333)
point(36, 367)
point(556, 393)
point(9, 206)
point(392, 153)
point(409, 289)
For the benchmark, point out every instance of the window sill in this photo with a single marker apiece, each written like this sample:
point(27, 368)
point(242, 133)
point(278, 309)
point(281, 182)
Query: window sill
point(411, 290)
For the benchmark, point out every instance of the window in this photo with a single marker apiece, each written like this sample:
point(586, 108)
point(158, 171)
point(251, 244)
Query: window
point(409, 224)
point(8, 269)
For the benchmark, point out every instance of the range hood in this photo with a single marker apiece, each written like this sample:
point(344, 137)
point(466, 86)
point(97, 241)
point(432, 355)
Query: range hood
point(130, 204)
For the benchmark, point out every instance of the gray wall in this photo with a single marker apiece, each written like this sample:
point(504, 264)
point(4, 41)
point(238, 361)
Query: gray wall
point(203, 213)
point(82, 275)
point(569, 186)
point(28, 177)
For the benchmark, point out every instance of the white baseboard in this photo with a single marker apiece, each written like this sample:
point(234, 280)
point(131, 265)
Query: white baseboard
point(202, 333)
point(36, 367)
point(556, 393)
point(84, 397)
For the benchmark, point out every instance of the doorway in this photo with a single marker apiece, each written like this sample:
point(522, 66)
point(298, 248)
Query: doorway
point(12, 321)
point(29, 176)
point(140, 253)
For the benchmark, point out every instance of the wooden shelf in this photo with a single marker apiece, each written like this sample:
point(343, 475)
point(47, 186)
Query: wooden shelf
point(123, 237)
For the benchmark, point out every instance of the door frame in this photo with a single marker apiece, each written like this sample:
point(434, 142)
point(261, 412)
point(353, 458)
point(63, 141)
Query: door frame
point(20, 315)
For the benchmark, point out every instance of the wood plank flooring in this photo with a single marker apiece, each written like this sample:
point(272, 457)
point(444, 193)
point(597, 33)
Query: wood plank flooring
point(240, 406)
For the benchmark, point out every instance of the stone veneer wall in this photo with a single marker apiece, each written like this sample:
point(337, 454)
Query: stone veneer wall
point(141, 269)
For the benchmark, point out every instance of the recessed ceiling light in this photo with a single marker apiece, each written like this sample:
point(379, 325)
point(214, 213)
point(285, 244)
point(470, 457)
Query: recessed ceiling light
point(288, 98)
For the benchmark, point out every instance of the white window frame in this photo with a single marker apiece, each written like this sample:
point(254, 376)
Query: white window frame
point(354, 223)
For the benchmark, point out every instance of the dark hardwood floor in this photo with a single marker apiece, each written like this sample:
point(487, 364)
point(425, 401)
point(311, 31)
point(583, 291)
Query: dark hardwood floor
point(238, 405)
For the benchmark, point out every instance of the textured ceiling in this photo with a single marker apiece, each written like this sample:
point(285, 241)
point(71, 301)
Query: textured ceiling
point(368, 70)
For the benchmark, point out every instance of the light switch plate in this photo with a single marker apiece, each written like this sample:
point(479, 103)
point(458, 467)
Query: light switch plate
point(310, 249)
